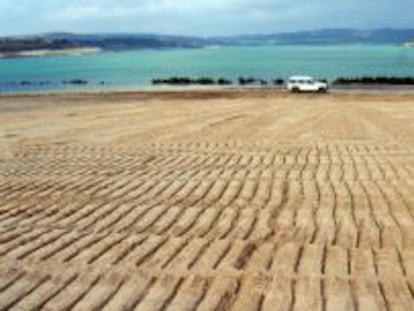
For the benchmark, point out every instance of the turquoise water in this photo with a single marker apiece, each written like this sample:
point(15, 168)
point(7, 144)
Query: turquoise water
point(135, 69)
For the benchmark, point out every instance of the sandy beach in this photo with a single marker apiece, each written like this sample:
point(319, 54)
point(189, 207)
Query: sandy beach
point(207, 200)
point(50, 52)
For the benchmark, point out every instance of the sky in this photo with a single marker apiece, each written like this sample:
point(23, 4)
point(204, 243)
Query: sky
point(200, 17)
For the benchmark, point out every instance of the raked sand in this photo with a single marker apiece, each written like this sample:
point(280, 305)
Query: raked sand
point(213, 200)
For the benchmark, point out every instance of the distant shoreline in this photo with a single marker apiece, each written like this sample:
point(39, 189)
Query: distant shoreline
point(338, 89)
point(51, 52)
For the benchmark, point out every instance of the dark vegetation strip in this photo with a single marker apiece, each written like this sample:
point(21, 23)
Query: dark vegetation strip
point(219, 81)
point(241, 81)
point(244, 81)
point(376, 80)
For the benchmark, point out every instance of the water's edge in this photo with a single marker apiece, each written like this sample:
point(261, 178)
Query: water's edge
point(134, 70)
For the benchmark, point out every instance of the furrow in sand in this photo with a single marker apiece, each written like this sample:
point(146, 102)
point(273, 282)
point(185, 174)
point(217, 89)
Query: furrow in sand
point(177, 203)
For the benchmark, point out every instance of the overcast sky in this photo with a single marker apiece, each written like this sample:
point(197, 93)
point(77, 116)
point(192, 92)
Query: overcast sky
point(200, 17)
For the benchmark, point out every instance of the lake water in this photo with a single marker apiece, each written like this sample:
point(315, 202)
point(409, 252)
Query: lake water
point(135, 69)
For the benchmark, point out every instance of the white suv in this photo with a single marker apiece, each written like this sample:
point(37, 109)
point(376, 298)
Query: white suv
point(306, 84)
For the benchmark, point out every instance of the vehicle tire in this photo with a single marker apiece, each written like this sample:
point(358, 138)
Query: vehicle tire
point(322, 90)
point(295, 90)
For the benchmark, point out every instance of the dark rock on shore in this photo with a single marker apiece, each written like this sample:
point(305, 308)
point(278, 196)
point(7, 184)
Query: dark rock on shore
point(190, 81)
point(221, 81)
point(34, 83)
point(278, 82)
point(255, 81)
point(76, 81)
point(376, 80)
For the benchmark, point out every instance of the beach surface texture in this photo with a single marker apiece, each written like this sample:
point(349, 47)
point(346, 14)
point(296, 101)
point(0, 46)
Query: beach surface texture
point(207, 200)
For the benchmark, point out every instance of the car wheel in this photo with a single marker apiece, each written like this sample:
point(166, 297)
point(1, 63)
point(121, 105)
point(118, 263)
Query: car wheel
point(295, 90)
point(322, 90)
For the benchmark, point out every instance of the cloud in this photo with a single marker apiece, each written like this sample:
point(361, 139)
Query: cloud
point(199, 17)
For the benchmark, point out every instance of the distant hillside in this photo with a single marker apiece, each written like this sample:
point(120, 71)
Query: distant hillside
point(103, 41)
point(327, 36)
point(11, 45)
point(61, 41)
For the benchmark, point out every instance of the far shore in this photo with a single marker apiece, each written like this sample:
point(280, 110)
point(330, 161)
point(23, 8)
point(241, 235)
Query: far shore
point(51, 52)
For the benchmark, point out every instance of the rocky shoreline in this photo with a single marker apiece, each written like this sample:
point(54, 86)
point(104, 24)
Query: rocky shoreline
point(246, 81)
point(365, 84)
